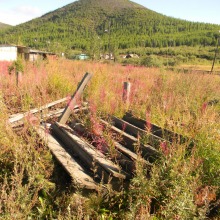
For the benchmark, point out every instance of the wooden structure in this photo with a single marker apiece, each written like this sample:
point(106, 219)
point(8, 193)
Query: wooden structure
point(92, 163)
point(10, 52)
point(66, 114)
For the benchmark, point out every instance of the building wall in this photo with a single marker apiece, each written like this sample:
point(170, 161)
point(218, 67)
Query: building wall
point(8, 53)
point(33, 57)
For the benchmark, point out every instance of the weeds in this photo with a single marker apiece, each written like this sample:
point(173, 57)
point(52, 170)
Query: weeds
point(179, 187)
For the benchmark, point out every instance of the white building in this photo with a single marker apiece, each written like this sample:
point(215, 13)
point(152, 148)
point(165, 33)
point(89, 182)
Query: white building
point(8, 53)
point(11, 52)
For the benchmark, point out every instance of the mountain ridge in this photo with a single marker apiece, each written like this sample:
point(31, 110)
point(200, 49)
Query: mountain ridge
point(122, 24)
point(3, 25)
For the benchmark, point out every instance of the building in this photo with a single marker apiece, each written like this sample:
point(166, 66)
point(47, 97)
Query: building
point(33, 55)
point(83, 56)
point(130, 55)
point(10, 52)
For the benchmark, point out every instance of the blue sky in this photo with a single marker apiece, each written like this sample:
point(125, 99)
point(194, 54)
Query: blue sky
point(18, 11)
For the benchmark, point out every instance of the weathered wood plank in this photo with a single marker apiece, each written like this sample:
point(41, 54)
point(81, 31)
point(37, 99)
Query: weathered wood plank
point(33, 111)
point(50, 114)
point(154, 129)
point(77, 172)
point(133, 156)
point(68, 110)
point(91, 157)
point(148, 152)
point(116, 155)
point(152, 139)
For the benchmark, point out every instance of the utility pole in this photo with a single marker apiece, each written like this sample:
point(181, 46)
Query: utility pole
point(109, 39)
point(216, 51)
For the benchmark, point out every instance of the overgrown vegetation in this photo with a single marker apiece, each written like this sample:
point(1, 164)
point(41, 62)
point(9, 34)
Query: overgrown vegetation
point(3, 26)
point(102, 26)
point(181, 186)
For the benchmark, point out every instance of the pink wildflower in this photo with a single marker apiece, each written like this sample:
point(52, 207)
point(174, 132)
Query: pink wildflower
point(164, 148)
point(123, 126)
point(204, 107)
point(148, 123)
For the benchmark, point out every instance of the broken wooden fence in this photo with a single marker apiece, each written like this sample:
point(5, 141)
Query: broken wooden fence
point(87, 165)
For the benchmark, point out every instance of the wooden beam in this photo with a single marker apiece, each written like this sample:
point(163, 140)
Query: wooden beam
point(88, 155)
point(133, 156)
point(78, 173)
point(20, 116)
point(152, 139)
point(126, 161)
point(148, 152)
point(68, 110)
point(156, 130)
point(50, 114)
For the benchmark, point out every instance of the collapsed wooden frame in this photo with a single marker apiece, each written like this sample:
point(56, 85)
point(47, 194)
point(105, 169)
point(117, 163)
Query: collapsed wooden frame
point(87, 166)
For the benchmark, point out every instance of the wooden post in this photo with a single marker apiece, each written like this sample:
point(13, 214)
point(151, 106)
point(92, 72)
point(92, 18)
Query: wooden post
point(216, 51)
point(67, 112)
point(18, 77)
point(126, 92)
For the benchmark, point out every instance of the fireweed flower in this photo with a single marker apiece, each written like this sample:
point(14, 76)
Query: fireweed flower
point(102, 95)
point(164, 148)
point(204, 107)
point(123, 126)
point(148, 122)
point(97, 128)
point(100, 143)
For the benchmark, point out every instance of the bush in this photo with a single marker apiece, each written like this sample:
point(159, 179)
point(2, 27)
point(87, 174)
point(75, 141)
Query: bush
point(131, 61)
point(151, 61)
point(17, 66)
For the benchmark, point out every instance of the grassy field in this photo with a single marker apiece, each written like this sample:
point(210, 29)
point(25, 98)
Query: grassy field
point(33, 186)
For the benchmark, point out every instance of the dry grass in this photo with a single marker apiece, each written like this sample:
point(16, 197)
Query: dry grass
point(185, 103)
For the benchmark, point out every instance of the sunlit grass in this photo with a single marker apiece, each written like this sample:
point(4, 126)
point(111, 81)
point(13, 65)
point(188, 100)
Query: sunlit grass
point(188, 104)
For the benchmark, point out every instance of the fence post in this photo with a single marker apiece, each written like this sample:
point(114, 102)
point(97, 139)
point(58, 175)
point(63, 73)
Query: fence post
point(18, 77)
point(126, 92)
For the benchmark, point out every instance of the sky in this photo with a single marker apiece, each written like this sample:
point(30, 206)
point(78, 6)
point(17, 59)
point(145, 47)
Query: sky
point(14, 12)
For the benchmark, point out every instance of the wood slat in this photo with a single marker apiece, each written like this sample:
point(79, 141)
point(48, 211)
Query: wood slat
point(126, 161)
point(33, 111)
point(148, 152)
point(155, 130)
point(77, 172)
point(91, 157)
point(133, 156)
point(152, 139)
point(50, 114)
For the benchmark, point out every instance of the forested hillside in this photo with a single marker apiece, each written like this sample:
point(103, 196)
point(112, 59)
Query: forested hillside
point(2, 25)
point(119, 24)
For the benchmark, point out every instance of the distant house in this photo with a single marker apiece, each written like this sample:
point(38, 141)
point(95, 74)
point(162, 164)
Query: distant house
point(12, 52)
point(33, 55)
point(8, 52)
point(131, 55)
point(82, 57)
point(107, 57)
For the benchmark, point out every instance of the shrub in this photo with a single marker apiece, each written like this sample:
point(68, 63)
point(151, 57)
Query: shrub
point(16, 66)
point(151, 61)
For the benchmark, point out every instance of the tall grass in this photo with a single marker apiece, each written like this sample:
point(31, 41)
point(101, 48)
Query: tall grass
point(180, 187)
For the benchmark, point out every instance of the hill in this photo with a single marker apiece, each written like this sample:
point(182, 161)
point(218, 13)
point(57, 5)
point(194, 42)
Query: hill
point(91, 25)
point(2, 25)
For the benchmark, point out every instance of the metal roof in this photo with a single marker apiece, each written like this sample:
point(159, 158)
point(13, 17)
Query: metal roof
point(28, 48)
